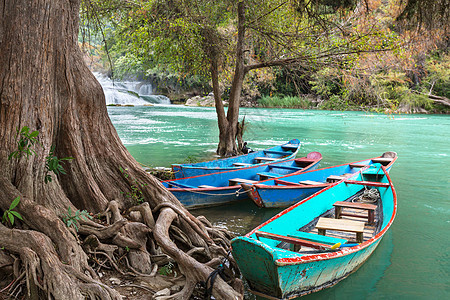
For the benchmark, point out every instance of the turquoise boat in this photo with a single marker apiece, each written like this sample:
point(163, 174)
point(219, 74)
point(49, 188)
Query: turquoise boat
point(289, 189)
point(278, 153)
point(224, 187)
point(321, 240)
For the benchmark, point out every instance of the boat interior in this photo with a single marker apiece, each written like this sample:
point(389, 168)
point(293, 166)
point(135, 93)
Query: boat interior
point(348, 223)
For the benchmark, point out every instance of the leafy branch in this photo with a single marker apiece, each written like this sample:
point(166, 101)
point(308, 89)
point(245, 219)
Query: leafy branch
point(53, 164)
point(10, 214)
point(73, 221)
point(24, 144)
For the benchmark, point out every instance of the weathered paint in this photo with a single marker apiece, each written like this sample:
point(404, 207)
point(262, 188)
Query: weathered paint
point(226, 164)
point(293, 274)
point(269, 194)
point(187, 192)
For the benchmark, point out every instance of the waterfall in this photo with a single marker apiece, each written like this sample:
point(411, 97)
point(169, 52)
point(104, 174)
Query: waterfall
point(129, 92)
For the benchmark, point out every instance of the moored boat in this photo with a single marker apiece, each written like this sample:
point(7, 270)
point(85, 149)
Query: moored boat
point(320, 240)
point(224, 187)
point(288, 190)
point(278, 153)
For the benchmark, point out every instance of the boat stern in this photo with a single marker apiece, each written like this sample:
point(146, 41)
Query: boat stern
point(257, 264)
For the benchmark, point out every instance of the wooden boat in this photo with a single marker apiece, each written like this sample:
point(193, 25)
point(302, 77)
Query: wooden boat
point(288, 190)
point(305, 248)
point(278, 153)
point(224, 187)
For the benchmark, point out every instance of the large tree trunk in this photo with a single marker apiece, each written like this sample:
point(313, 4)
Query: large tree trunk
point(229, 128)
point(46, 86)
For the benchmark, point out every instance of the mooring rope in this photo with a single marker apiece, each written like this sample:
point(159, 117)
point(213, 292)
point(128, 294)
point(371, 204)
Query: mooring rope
point(368, 196)
point(212, 277)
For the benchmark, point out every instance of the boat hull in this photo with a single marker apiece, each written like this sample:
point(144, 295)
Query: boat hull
point(270, 195)
point(227, 164)
point(288, 281)
point(278, 273)
point(214, 189)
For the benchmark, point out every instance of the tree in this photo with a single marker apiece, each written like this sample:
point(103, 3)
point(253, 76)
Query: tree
point(46, 86)
point(227, 40)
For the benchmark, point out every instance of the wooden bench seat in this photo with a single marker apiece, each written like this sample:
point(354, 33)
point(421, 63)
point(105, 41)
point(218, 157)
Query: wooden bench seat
point(241, 165)
point(285, 167)
point(278, 152)
point(292, 240)
point(357, 165)
point(284, 182)
point(290, 146)
point(339, 205)
point(334, 178)
point(261, 159)
point(310, 182)
point(383, 160)
point(236, 181)
point(368, 183)
point(267, 175)
point(357, 227)
point(180, 185)
point(316, 238)
point(204, 186)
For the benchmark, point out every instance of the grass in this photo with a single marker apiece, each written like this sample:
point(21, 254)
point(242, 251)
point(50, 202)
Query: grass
point(284, 102)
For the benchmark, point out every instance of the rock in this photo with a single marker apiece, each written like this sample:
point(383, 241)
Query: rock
point(202, 101)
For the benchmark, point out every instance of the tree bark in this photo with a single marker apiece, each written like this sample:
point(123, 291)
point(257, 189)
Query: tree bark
point(229, 129)
point(46, 86)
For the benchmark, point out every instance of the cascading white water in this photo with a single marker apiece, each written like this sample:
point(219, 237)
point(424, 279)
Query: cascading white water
point(129, 92)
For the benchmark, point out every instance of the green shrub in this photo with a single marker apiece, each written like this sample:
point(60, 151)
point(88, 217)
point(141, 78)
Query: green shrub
point(284, 102)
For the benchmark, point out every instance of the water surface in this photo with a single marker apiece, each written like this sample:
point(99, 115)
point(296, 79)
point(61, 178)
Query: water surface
point(411, 262)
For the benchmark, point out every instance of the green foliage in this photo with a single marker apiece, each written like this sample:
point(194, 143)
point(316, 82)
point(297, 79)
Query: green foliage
point(25, 142)
point(9, 215)
point(73, 221)
point(135, 194)
point(284, 102)
point(167, 269)
point(53, 164)
point(437, 80)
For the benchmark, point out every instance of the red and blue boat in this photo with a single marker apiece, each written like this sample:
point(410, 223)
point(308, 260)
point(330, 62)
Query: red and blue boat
point(224, 187)
point(288, 190)
point(320, 240)
point(282, 152)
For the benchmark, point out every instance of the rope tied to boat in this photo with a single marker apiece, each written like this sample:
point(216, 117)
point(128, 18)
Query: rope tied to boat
point(368, 196)
point(212, 277)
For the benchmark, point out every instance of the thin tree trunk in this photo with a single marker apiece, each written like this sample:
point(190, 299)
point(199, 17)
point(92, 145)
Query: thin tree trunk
point(227, 144)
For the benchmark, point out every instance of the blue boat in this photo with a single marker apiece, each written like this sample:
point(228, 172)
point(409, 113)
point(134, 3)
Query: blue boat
point(288, 190)
point(223, 187)
point(321, 240)
point(278, 153)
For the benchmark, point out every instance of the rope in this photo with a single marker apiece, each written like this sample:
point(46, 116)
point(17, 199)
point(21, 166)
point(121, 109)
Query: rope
point(368, 196)
point(212, 277)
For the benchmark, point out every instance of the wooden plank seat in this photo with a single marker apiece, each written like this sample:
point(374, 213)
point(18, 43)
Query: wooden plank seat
point(357, 165)
point(334, 178)
point(340, 205)
point(261, 159)
point(205, 186)
point(290, 147)
point(315, 238)
point(236, 181)
point(241, 165)
point(368, 183)
point(285, 167)
point(383, 160)
point(180, 185)
point(292, 240)
point(284, 182)
point(325, 224)
point(310, 182)
point(278, 152)
point(267, 175)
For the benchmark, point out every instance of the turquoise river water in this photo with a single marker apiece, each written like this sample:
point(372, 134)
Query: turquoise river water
point(411, 262)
